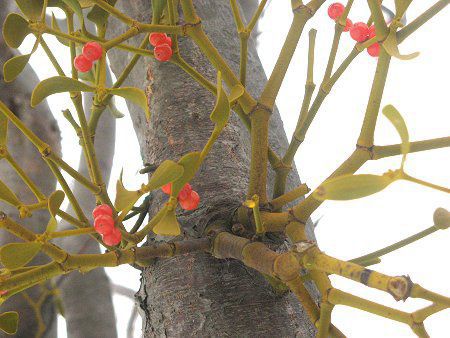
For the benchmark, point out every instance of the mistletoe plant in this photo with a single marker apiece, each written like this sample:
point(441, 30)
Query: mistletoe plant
point(259, 213)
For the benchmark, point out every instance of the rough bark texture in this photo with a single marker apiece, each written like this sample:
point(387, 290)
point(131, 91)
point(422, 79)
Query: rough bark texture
point(17, 97)
point(198, 295)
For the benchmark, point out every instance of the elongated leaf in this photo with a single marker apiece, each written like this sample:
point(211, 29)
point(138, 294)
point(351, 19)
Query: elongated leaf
point(54, 202)
point(350, 187)
point(125, 199)
point(390, 44)
point(9, 322)
point(190, 163)
point(3, 130)
point(221, 111)
point(235, 93)
point(134, 95)
point(14, 66)
point(56, 27)
point(15, 30)
point(15, 255)
point(167, 172)
point(32, 9)
point(99, 16)
point(7, 195)
point(57, 84)
point(399, 123)
point(116, 113)
point(74, 5)
point(168, 225)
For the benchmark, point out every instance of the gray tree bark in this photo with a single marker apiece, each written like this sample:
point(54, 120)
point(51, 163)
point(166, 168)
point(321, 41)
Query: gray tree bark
point(17, 97)
point(198, 295)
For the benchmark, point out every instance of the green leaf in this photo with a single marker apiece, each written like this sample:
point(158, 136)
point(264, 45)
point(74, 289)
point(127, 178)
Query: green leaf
point(3, 130)
point(57, 84)
point(190, 163)
point(32, 9)
point(15, 255)
point(8, 196)
point(99, 16)
point(54, 202)
point(74, 5)
point(9, 322)
point(116, 113)
point(157, 10)
point(168, 225)
point(15, 30)
point(134, 95)
point(349, 187)
point(235, 93)
point(390, 45)
point(14, 66)
point(56, 27)
point(125, 199)
point(399, 123)
point(221, 111)
point(167, 172)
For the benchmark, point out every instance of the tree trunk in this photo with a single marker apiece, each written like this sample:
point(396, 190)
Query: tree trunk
point(198, 295)
point(41, 121)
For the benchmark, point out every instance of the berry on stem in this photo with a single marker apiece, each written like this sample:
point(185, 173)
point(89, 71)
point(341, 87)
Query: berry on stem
point(104, 224)
point(348, 25)
point(113, 238)
point(163, 52)
point(169, 41)
point(335, 10)
point(359, 32)
point(82, 63)
point(192, 202)
point(92, 51)
point(185, 192)
point(167, 189)
point(157, 39)
point(103, 209)
point(374, 50)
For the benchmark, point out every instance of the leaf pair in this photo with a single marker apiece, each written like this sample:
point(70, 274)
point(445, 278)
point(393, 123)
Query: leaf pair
point(348, 187)
point(61, 84)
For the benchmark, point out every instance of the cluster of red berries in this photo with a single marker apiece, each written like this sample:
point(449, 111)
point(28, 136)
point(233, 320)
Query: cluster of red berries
point(92, 51)
point(188, 198)
point(359, 31)
point(163, 46)
point(104, 225)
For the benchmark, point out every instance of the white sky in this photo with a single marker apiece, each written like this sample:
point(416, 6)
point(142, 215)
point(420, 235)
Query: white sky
point(418, 88)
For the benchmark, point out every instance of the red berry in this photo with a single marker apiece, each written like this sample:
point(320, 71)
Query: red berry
point(113, 238)
point(104, 224)
point(103, 209)
point(163, 52)
point(82, 63)
point(348, 25)
point(157, 38)
point(372, 32)
point(185, 192)
point(192, 202)
point(374, 50)
point(359, 32)
point(335, 10)
point(167, 189)
point(3, 292)
point(93, 51)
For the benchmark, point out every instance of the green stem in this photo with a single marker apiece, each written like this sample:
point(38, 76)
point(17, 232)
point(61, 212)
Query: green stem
point(424, 183)
point(68, 233)
point(51, 57)
point(395, 149)
point(366, 136)
point(400, 244)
